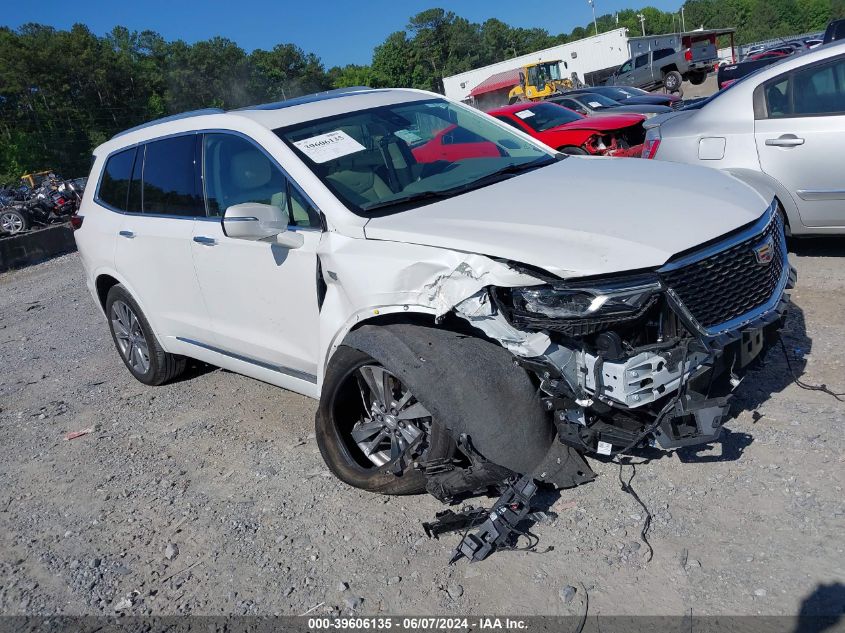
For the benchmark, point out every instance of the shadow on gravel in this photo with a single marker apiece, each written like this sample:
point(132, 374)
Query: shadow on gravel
point(822, 610)
point(773, 374)
point(195, 369)
point(733, 446)
point(818, 247)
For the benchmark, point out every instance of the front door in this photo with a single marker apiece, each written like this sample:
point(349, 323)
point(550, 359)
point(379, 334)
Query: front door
point(800, 132)
point(261, 296)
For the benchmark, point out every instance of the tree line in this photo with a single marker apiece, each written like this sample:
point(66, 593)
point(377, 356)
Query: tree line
point(63, 92)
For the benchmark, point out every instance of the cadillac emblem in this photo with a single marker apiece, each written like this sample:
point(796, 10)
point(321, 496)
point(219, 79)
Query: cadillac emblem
point(764, 252)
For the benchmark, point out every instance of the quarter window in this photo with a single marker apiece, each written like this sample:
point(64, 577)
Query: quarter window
point(237, 172)
point(171, 177)
point(114, 185)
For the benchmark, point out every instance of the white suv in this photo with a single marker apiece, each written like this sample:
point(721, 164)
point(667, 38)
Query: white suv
point(466, 303)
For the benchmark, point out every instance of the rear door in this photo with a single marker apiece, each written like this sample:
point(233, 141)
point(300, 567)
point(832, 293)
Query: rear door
point(262, 297)
point(153, 252)
point(800, 132)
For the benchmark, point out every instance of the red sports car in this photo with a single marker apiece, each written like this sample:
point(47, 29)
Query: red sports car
point(571, 133)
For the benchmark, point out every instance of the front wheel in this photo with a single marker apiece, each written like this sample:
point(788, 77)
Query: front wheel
point(13, 221)
point(371, 429)
point(573, 151)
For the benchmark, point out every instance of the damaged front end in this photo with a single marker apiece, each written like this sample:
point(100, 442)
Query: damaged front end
point(650, 358)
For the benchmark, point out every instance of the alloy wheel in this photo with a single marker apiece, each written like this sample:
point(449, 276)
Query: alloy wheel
point(11, 223)
point(394, 424)
point(130, 337)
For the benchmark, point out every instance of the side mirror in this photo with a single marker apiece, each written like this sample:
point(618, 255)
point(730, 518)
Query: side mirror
point(255, 221)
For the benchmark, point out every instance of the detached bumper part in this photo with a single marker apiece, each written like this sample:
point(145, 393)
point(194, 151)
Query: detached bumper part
point(693, 422)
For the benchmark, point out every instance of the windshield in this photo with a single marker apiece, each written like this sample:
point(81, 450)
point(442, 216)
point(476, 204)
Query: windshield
point(553, 70)
point(597, 102)
point(394, 157)
point(544, 116)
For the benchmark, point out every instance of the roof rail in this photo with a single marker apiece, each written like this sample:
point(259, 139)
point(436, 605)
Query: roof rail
point(317, 96)
point(172, 117)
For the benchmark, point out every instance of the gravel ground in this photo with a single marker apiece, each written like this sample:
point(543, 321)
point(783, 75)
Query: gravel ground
point(209, 496)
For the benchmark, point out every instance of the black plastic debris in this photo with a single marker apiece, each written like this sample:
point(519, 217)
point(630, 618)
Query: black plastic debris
point(499, 529)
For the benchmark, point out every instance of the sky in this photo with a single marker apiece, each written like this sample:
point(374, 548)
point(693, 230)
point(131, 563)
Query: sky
point(339, 31)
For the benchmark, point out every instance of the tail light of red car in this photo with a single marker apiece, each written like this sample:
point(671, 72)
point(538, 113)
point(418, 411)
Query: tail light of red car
point(652, 143)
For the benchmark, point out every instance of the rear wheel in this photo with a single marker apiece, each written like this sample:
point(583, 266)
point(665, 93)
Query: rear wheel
point(672, 81)
point(135, 342)
point(13, 221)
point(696, 79)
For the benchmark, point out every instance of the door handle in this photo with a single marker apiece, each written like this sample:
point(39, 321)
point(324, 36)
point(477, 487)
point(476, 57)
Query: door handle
point(202, 239)
point(787, 140)
point(129, 234)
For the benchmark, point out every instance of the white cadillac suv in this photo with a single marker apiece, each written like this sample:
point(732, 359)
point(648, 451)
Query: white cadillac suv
point(465, 303)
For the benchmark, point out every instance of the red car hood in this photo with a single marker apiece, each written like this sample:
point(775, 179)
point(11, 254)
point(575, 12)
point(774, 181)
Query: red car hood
point(601, 124)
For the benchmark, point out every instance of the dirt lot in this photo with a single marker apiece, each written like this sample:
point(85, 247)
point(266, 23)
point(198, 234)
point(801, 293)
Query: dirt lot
point(208, 496)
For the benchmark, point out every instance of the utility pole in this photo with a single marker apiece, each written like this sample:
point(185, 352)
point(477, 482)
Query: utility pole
point(642, 22)
point(683, 21)
point(592, 3)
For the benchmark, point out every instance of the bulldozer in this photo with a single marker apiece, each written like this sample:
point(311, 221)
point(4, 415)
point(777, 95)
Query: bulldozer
point(540, 81)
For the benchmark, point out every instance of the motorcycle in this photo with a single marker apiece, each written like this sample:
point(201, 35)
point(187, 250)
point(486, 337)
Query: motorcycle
point(54, 201)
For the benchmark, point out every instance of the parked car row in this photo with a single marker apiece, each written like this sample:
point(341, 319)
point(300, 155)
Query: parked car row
point(467, 303)
point(780, 129)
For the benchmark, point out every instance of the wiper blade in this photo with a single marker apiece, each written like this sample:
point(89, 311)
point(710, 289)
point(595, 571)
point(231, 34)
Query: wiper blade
point(495, 176)
point(417, 197)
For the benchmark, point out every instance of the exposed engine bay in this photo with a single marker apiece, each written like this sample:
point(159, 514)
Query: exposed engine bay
point(623, 362)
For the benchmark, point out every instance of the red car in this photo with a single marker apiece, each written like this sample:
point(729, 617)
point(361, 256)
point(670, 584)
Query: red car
point(453, 144)
point(571, 133)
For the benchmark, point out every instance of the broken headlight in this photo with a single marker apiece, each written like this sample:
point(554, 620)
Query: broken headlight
point(577, 303)
point(581, 309)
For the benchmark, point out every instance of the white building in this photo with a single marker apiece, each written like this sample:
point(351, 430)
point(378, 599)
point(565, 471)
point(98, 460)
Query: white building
point(590, 55)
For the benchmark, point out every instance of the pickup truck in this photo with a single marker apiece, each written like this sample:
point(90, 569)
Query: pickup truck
point(667, 67)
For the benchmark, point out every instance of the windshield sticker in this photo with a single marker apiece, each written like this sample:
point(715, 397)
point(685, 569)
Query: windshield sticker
point(409, 137)
point(326, 147)
point(524, 114)
point(595, 104)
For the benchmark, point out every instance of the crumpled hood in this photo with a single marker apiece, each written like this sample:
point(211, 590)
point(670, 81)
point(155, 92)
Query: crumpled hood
point(608, 123)
point(583, 216)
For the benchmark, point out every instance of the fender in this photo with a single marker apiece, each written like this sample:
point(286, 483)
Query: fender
point(110, 272)
point(363, 317)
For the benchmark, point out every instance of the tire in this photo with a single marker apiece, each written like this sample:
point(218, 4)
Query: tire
point(13, 221)
point(334, 427)
point(468, 385)
point(696, 79)
point(672, 81)
point(573, 151)
point(135, 342)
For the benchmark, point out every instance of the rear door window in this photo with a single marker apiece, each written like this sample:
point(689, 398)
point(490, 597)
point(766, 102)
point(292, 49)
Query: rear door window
point(171, 177)
point(114, 184)
point(815, 91)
